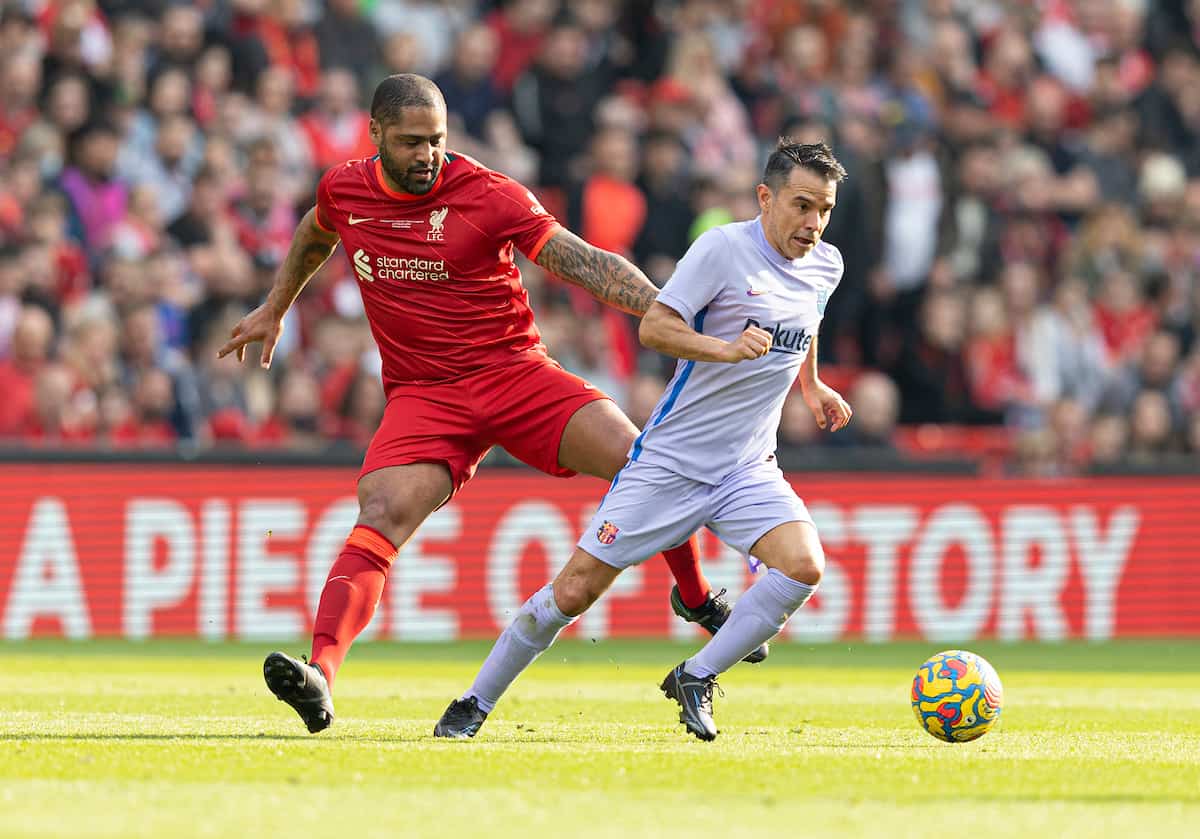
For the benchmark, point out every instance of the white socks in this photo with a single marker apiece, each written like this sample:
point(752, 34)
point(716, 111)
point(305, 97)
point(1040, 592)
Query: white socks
point(757, 617)
point(533, 630)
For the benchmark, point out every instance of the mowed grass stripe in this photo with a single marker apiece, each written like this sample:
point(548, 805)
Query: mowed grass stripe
point(181, 739)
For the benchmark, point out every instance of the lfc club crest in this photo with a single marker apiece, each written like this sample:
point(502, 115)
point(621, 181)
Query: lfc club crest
point(437, 220)
point(607, 534)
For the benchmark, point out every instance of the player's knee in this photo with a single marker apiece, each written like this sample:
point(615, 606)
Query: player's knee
point(391, 518)
point(574, 594)
point(805, 565)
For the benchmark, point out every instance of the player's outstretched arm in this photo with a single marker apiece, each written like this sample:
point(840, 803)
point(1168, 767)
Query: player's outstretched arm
point(311, 246)
point(609, 278)
point(827, 405)
point(665, 330)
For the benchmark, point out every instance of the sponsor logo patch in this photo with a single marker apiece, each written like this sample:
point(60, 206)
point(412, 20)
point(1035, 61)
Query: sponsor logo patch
point(362, 266)
point(399, 268)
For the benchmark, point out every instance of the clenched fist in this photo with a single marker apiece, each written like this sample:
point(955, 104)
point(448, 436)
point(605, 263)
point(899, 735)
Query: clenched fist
point(751, 344)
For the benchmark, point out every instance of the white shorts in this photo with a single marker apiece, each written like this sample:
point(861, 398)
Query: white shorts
point(649, 509)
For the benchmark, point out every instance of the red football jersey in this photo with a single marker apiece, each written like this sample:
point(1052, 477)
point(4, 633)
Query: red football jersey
point(442, 293)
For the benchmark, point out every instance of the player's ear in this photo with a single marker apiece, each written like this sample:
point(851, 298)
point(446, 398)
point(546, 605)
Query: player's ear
point(375, 132)
point(764, 197)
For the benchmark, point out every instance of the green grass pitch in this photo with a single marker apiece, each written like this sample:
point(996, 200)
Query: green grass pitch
point(177, 739)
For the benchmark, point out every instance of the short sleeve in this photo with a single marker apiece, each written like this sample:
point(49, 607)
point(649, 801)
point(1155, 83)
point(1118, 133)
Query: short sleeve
point(520, 217)
point(324, 215)
point(698, 277)
point(825, 292)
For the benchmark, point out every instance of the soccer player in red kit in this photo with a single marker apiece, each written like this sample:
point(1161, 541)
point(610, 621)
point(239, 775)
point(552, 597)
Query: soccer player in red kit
point(431, 235)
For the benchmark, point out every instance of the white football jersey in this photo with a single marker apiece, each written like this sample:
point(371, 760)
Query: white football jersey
point(716, 417)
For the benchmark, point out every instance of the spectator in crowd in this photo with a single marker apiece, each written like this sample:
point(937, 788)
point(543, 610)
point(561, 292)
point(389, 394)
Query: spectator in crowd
point(553, 99)
point(296, 421)
point(148, 424)
point(29, 350)
point(876, 401)
point(20, 81)
point(67, 104)
point(47, 228)
point(180, 40)
point(931, 372)
point(97, 197)
point(1069, 357)
point(169, 168)
point(347, 40)
point(1156, 369)
point(264, 216)
point(664, 181)
point(360, 409)
point(268, 122)
point(1151, 435)
point(521, 28)
point(336, 127)
point(470, 91)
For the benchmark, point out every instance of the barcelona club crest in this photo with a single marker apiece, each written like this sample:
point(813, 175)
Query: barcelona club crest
point(607, 534)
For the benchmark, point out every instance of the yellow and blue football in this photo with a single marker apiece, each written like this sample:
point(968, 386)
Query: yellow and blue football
point(957, 696)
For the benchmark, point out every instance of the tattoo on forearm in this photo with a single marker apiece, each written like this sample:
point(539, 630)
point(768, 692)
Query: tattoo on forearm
point(312, 256)
point(606, 276)
point(305, 256)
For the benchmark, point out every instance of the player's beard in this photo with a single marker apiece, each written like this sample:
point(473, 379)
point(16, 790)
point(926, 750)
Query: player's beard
point(406, 177)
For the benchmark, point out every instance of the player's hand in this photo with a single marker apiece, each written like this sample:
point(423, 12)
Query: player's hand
point(264, 324)
point(827, 406)
point(751, 344)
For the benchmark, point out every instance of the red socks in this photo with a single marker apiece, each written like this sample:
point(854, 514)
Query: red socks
point(352, 591)
point(684, 562)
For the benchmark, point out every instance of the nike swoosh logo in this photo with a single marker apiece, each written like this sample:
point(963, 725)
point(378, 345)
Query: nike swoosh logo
point(354, 220)
point(342, 577)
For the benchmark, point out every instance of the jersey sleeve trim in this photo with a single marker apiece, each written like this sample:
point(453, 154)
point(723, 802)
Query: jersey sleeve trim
point(317, 221)
point(679, 306)
point(541, 243)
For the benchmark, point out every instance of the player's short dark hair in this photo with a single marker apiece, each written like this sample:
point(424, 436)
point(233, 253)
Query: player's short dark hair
point(404, 90)
point(788, 155)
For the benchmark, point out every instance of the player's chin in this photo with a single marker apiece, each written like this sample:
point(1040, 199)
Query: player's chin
point(801, 247)
point(420, 182)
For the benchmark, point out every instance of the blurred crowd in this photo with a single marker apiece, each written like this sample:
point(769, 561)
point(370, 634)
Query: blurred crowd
point(1020, 228)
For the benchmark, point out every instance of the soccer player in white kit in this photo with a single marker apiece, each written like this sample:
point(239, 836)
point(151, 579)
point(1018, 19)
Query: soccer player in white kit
point(741, 314)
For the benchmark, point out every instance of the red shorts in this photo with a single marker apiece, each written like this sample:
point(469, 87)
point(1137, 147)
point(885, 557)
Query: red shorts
point(523, 405)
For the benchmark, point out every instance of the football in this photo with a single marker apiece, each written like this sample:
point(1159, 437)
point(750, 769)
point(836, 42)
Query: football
point(957, 696)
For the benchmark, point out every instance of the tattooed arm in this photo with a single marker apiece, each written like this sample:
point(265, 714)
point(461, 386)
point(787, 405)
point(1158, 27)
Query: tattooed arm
point(609, 278)
point(311, 246)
